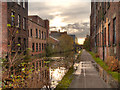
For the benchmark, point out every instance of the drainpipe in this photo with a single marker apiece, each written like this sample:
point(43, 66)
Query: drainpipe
point(103, 39)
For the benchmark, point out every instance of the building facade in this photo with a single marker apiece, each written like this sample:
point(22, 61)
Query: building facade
point(38, 34)
point(57, 34)
point(15, 14)
point(105, 29)
point(53, 42)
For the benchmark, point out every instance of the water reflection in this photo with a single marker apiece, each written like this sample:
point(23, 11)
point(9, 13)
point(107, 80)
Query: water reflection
point(56, 75)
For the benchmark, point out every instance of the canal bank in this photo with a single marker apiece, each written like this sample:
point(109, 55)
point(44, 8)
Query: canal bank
point(69, 75)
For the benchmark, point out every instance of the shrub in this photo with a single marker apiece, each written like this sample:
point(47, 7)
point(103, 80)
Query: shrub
point(112, 63)
point(97, 55)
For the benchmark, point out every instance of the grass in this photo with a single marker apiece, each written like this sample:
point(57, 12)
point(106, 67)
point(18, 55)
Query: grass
point(67, 79)
point(105, 67)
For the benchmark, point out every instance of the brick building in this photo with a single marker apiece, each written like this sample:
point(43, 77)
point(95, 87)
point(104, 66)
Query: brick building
point(38, 34)
point(19, 11)
point(53, 42)
point(57, 34)
point(105, 29)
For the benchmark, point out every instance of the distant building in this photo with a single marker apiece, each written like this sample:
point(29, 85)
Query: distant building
point(57, 34)
point(74, 38)
point(38, 34)
point(105, 29)
point(14, 14)
point(53, 42)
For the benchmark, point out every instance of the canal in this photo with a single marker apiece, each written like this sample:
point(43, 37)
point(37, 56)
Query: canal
point(59, 67)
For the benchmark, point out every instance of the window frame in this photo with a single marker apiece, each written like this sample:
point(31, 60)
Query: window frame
point(36, 33)
point(36, 47)
point(24, 6)
point(109, 34)
point(39, 34)
point(24, 23)
point(31, 32)
point(19, 2)
point(33, 47)
point(19, 22)
point(114, 31)
point(12, 18)
point(39, 47)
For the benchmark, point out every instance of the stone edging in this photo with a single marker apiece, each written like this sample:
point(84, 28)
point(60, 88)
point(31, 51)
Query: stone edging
point(105, 76)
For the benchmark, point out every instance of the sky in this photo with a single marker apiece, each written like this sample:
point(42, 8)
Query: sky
point(67, 15)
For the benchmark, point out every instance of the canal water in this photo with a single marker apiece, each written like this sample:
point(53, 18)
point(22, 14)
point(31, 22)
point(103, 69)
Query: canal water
point(56, 75)
point(57, 71)
point(59, 67)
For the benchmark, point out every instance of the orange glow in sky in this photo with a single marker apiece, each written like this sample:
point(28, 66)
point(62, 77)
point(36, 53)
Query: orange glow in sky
point(81, 40)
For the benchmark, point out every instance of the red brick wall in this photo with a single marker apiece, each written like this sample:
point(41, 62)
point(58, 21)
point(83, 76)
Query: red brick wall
point(23, 12)
point(0, 29)
point(7, 7)
point(32, 25)
point(109, 14)
point(37, 20)
point(4, 28)
point(47, 27)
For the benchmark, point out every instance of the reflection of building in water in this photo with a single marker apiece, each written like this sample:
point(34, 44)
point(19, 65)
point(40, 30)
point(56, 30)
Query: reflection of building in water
point(40, 75)
point(56, 75)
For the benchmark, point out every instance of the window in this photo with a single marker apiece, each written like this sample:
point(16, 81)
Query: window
point(23, 3)
point(114, 31)
point(40, 64)
point(31, 32)
point(33, 47)
point(39, 34)
point(108, 4)
point(105, 37)
point(36, 33)
point(42, 35)
point(24, 43)
point(108, 34)
point(42, 46)
point(12, 17)
point(36, 47)
point(18, 20)
point(13, 0)
point(19, 41)
point(39, 46)
point(19, 2)
point(36, 66)
point(24, 23)
point(98, 40)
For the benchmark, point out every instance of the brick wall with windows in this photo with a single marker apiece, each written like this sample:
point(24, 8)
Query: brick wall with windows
point(107, 21)
point(13, 14)
point(37, 34)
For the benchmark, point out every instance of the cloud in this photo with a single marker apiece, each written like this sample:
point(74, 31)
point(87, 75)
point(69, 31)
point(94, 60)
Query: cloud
point(79, 29)
point(75, 15)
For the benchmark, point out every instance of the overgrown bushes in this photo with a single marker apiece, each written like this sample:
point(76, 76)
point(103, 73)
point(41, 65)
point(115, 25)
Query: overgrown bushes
point(107, 68)
point(112, 63)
